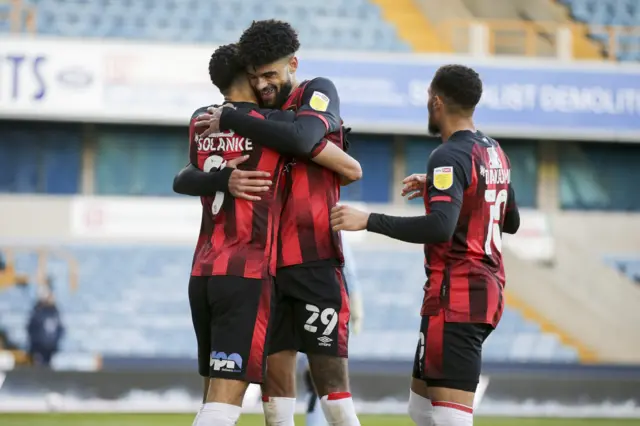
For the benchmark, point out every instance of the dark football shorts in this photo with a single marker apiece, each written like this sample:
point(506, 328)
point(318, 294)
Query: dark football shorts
point(231, 319)
point(312, 311)
point(449, 354)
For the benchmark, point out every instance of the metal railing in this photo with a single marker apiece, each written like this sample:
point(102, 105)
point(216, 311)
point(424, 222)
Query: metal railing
point(541, 39)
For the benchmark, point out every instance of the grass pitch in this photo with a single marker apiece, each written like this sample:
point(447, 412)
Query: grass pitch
point(257, 420)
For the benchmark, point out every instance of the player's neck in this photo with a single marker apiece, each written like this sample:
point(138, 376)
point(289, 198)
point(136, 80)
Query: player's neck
point(238, 96)
point(294, 84)
point(456, 124)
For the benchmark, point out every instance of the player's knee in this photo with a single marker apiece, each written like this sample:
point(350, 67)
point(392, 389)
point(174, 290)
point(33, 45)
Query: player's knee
point(420, 410)
point(329, 373)
point(281, 375)
point(226, 391)
point(452, 414)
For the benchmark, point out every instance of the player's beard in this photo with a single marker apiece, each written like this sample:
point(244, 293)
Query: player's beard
point(281, 95)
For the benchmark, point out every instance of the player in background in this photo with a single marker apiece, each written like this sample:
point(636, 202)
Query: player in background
point(315, 416)
point(469, 202)
point(230, 290)
point(312, 308)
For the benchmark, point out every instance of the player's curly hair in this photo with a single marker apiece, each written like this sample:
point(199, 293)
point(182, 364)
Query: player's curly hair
point(459, 85)
point(225, 66)
point(267, 41)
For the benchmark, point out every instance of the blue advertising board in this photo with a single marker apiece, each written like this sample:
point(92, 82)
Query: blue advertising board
point(520, 98)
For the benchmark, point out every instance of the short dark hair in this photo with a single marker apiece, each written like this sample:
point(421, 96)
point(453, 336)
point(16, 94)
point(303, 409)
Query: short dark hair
point(225, 66)
point(459, 85)
point(267, 41)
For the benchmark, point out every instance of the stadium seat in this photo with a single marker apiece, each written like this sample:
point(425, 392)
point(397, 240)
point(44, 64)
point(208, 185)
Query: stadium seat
point(624, 15)
point(342, 24)
point(140, 307)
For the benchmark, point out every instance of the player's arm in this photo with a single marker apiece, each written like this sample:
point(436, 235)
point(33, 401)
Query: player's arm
point(239, 183)
point(323, 152)
point(318, 116)
point(447, 178)
point(193, 181)
point(512, 214)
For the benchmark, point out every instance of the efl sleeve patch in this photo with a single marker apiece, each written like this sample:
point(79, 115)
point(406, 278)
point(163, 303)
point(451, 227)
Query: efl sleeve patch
point(443, 178)
point(319, 102)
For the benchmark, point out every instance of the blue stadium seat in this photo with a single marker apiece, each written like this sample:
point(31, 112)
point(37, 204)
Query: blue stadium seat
point(619, 13)
point(218, 21)
point(139, 307)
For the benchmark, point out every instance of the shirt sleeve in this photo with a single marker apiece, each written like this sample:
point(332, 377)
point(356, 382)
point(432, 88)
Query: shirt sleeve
point(320, 99)
point(512, 214)
point(193, 181)
point(448, 175)
point(436, 227)
point(299, 137)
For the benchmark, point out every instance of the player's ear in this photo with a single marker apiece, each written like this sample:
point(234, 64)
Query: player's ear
point(293, 64)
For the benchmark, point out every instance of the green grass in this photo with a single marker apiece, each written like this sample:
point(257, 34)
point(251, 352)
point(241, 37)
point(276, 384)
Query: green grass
point(256, 420)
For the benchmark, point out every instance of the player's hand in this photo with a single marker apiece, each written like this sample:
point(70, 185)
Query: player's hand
point(210, 121)
point(245, 184)
point(414, 185)
point(345, 218)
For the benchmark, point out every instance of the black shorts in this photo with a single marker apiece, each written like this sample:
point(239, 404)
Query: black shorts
point(312, 311)
point(231, 318)
point(449, 354)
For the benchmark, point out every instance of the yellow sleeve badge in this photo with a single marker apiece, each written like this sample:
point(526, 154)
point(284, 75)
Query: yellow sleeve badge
point(319, 102)
point(443, 178)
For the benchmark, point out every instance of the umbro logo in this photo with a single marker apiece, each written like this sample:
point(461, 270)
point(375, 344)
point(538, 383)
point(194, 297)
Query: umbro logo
point(325, 341)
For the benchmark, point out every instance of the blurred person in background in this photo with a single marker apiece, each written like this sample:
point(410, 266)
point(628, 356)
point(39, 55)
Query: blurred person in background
point(315, 415)
point(45, 329)
point(469, 203)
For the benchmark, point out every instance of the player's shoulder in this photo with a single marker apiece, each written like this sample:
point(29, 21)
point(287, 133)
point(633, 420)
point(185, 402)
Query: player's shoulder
point(451, 151)
point(200, 111)
point(319, 83)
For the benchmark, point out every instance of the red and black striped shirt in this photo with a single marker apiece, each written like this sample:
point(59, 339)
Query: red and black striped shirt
point(465, 276)
point(305, 232)
point(237, 236)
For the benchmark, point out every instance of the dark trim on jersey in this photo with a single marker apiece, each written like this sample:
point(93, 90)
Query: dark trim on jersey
point(435, 227)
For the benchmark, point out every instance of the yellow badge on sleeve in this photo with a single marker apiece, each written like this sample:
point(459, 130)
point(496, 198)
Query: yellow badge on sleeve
point(443, 177)
point(319, 101)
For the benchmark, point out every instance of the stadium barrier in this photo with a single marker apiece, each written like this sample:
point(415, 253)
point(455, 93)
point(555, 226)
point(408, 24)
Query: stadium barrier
point(379, 387)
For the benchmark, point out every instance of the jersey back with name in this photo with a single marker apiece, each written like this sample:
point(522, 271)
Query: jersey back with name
point(305, 231)
point(236, 236)
point(465, 276)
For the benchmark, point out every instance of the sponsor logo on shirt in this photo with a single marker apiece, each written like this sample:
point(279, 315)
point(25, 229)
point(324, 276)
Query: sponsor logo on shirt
point(443, 177)
point(319, 102)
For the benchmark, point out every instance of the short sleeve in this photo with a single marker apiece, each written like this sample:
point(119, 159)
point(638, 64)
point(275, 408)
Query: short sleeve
point(320, 99)
point(448, 175)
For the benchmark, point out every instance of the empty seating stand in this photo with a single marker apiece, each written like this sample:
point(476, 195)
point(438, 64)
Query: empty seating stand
point(322, 24)
point(623, 15)
point(132, 301)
